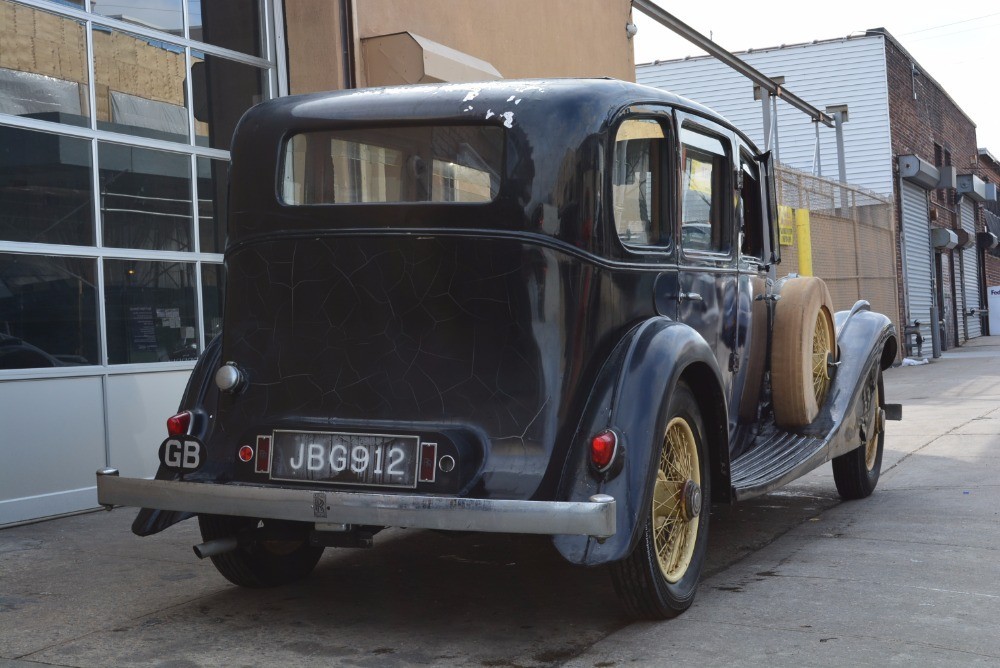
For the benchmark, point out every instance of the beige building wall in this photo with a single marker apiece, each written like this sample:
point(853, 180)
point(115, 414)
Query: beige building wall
point(315, 48)
point(520, 38)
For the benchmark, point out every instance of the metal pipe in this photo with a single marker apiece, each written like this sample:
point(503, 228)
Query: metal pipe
point(214, 547)
point(803, 241)
point(765, 109)
point(935, 332)
point(818, 162)
point(838, 117)
point(664, 18)
point(774, 132)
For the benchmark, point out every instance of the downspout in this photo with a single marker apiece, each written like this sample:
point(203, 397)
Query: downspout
point(349, 38)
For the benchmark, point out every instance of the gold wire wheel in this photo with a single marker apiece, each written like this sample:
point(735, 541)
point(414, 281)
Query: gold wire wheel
point(676, 500)
point(871, 447)
point(821, 350)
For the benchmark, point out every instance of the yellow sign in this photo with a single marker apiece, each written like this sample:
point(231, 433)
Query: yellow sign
point(786, 225)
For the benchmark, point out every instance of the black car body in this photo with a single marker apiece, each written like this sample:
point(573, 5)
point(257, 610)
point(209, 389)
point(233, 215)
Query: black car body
point(488, 277)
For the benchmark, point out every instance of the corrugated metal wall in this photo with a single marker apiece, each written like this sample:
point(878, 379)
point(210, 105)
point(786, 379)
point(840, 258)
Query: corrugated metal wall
point(850, 71)
point(917, 265)
point(970, 272)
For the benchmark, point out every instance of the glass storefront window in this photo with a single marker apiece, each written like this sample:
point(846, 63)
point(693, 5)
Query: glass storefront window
point(43, 65)
point(140, 85)
point(119, 188)
point(150, 310)
point(222, 90)
point(165, 15)
point(213, 191)
point(145, 197)
point(48, 311)
point(45, 189)
point(231, 24)
point(213, 278)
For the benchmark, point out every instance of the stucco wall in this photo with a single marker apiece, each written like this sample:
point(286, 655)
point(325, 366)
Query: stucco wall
point(520, 38)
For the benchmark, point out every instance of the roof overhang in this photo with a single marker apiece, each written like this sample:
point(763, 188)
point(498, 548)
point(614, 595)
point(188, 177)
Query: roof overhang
point(405, 58)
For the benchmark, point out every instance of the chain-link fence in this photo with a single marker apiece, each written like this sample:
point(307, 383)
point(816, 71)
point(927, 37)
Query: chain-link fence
point(852, 239)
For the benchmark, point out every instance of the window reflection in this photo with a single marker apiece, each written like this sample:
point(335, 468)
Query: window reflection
point(705, 169)
point(139, 85)
point(213, 191)
point(43, 65)
point(145, 197)
point(150, 310)
point(165, 15)
point(231, 24)
point(212, 284)
point(45, 190)
point(48, 311)
point(638, 183)
point(223, 89)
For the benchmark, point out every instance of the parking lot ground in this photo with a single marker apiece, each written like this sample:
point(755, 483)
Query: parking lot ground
point(797, 577)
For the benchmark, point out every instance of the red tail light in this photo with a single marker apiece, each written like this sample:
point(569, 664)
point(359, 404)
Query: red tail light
point(603, 449)
point(179, 424)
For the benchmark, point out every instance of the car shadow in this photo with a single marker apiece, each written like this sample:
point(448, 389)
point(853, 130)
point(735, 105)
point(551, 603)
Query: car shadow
point(467, 599)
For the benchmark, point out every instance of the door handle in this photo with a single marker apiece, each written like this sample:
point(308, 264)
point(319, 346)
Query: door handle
point(690, 297)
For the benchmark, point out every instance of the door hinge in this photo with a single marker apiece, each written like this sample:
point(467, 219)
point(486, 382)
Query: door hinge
point(734, 361)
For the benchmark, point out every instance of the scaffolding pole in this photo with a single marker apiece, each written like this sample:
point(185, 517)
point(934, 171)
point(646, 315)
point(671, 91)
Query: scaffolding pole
point(664, 18)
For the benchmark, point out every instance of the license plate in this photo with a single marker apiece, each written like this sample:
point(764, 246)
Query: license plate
point(349, 459)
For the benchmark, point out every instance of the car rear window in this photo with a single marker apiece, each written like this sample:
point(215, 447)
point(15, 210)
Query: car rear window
point(393, 165)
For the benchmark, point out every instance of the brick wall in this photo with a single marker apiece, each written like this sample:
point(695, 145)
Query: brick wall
point(922, 116)
point(989, 171)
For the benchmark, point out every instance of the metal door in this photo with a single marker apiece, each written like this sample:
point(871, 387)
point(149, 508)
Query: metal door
point(917, 265)
point(970, 273)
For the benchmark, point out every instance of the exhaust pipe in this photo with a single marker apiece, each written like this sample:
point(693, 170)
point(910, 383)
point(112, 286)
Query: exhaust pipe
point(214, 547)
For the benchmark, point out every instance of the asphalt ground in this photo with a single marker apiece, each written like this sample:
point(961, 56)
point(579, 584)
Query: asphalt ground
point(909, 576)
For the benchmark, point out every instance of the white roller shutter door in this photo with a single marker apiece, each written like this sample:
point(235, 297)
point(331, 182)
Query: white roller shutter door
point(970, 271)
point(917, 265)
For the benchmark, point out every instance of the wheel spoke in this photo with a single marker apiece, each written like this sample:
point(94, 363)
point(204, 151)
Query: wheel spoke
point(822, 346)
point(673, 533)
point(871, 447)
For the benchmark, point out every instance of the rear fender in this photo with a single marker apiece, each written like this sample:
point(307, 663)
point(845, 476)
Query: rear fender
point(200, 397)
point(629, 397)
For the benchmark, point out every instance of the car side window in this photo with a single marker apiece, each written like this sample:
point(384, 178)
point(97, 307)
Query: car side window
point(704, 187)
point(639, 183)
point(751, 209)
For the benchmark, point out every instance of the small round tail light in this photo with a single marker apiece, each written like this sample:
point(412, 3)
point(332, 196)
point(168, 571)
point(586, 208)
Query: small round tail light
point(179, 424)
point(230, 378)
point(603, 449)
point(246, 453)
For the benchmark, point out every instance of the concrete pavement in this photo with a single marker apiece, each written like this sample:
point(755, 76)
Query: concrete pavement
point(909, 576)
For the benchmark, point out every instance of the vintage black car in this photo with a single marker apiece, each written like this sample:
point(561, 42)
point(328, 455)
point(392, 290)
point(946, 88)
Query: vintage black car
point(523, 306)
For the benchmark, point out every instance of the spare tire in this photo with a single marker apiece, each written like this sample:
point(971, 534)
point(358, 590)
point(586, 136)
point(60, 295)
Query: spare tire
point(803, 344)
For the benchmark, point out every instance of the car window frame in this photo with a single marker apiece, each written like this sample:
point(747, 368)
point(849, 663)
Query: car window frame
point(665, 251)
point(699, 125)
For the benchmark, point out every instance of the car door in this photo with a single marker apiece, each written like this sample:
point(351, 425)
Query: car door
point(750, 347)
point(708, 240)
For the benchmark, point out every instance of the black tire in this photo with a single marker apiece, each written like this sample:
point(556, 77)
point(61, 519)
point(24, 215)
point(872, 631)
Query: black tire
point(259, 563)
point(645, 588)
point(856, 473)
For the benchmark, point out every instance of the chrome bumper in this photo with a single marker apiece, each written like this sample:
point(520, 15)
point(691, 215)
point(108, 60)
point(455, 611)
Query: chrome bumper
point(595, 517)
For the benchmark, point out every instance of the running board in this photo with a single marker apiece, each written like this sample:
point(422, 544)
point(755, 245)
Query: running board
point(776, 458)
